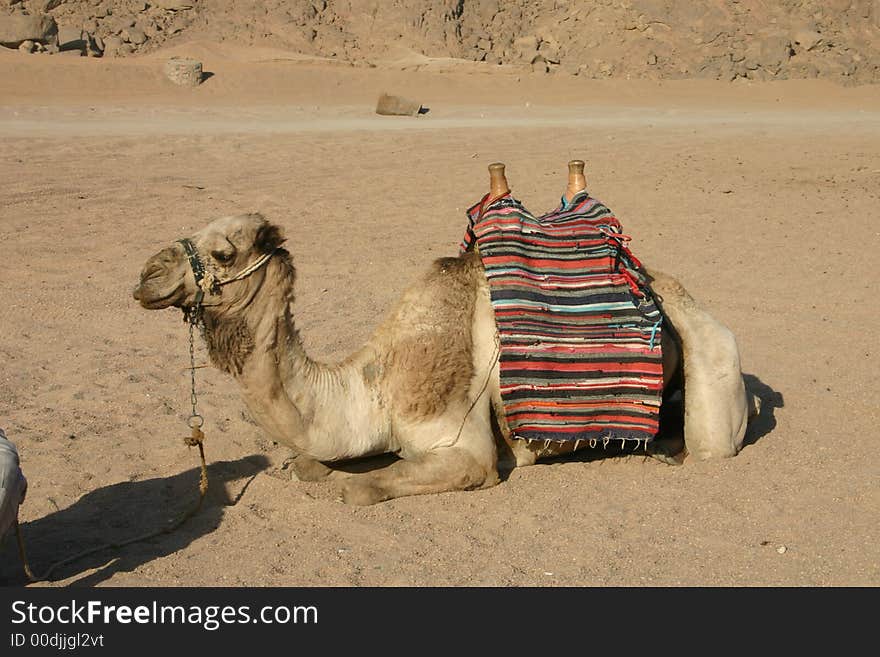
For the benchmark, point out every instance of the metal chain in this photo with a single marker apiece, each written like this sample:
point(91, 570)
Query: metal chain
point(195, 420)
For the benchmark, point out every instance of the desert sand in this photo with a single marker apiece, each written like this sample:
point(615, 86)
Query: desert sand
point(761, 196)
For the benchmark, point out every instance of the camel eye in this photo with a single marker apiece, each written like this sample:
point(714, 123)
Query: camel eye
point(222, 256)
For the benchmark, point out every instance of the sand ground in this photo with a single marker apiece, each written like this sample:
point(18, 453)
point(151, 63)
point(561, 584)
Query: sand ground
point(761, 197)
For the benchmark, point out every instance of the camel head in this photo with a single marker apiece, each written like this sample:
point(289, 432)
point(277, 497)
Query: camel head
point(228, 250)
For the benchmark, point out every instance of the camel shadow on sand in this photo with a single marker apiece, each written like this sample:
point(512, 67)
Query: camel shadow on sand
point(120, 511)
point(771, 399)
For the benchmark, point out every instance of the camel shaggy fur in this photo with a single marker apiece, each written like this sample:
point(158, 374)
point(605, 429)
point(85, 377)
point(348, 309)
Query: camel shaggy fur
point(425, 386)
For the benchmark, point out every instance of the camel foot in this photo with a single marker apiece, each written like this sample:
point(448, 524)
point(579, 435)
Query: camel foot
point(361, 493)
point(308, 469)
point(670, 451)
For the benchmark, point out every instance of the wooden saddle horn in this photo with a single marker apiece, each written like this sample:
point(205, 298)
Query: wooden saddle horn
point(576, 180)
point(498, 186)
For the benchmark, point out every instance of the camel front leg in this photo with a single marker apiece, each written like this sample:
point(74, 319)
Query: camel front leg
point(445, 469)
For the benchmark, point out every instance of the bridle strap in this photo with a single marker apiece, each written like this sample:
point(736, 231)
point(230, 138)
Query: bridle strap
point(198, 270)
point(247, 271)
point(210, 282)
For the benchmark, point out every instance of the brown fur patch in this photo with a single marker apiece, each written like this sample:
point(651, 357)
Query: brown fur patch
point(285, 272)
point(429, 363)
point(268, 238)
point(230, 342)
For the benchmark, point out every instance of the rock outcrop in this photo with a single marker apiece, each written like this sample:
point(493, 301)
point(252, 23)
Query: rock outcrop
point(658, 39)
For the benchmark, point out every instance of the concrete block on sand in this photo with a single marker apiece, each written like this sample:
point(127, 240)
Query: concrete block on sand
point(184, 72)
point(397, 106)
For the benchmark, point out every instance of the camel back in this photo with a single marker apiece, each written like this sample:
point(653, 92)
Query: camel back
point(580, 332)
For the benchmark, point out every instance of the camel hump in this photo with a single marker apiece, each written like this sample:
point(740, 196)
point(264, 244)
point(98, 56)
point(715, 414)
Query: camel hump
point(464, 265)
point(668, 290)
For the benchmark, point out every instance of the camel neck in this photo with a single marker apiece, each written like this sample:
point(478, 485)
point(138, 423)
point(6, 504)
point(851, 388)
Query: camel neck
point(280, 383)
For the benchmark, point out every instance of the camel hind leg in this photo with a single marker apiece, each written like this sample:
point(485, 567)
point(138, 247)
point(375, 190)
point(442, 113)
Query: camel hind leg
point(446, 469)
point(716, 407)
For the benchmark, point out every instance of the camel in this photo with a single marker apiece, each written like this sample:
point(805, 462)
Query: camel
point(425, 386)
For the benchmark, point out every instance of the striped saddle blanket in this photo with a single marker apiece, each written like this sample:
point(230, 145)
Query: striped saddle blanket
point(580, 355)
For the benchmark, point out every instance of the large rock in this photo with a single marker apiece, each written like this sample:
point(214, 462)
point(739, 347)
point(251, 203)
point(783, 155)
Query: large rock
point(42, 6)
point(71, 38)
point(18, 28)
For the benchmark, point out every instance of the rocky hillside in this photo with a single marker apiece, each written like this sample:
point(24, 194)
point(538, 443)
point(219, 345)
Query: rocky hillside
point(717, 39)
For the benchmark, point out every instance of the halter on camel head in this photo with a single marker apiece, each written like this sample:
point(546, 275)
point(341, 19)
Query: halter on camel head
point(207, 282)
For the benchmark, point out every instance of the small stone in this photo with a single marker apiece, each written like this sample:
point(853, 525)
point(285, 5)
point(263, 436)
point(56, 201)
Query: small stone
point(172, 5)
point(549, 51)
point(120, 24)
point(134, 35)
point(539, 65)
point(526, 45)
point(27, 46)
point(652, 59)
point(184, 72)
point(807, 39)
point(150, 29)
point(111, 44)
point(782, 549)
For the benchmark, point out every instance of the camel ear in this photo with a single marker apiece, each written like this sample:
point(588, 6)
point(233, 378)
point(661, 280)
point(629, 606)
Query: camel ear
point(268, 238)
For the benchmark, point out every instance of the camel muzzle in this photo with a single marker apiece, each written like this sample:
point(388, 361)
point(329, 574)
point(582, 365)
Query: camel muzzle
point(160, 284)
